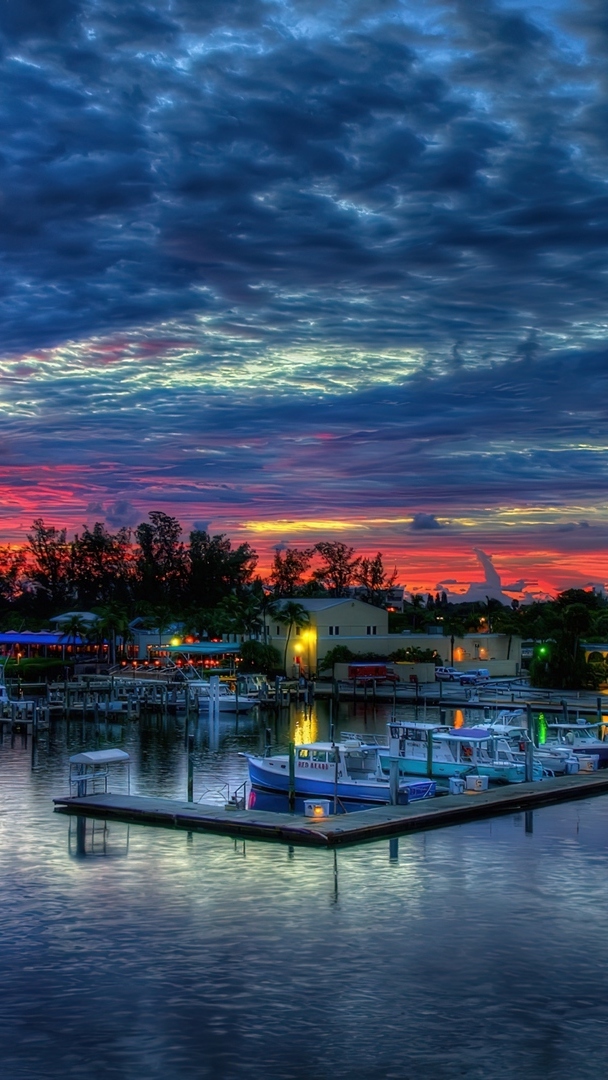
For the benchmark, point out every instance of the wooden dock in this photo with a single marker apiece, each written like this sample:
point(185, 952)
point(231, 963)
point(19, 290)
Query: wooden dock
point(354, 828)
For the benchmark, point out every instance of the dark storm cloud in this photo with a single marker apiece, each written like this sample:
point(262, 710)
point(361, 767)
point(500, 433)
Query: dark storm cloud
point(424, 521)
point(184, 157)
point(194, 196)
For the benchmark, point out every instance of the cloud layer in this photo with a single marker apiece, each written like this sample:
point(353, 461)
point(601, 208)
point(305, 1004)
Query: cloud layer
point(338, 269)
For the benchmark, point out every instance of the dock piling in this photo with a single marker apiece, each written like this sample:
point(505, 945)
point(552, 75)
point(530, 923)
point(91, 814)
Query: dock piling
point(190, 768)
point(529, 762)
point(292, 776)
point(394, 780)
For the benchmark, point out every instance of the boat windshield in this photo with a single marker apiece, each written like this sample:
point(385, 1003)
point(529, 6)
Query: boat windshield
point(361, 763)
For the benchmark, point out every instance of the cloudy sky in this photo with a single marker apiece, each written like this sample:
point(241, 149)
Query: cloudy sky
point(298, 271)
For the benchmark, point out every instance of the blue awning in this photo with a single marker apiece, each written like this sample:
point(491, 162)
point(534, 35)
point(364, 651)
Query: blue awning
point(42, 637)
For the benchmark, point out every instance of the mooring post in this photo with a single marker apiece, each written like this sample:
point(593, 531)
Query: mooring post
point(429, 754)
point(394, 779)
point(529, 769)
point(190, 768)
point(393, 849)
point(336, 764)
point(331, 720)
point(565, 711)
point(599, 715)
point(292, 777)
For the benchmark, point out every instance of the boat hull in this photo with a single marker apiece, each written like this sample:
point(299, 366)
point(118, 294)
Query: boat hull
point(276, 780)
point(499, 773)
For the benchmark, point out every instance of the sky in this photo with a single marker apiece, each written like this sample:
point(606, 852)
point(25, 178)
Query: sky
point(306, 271)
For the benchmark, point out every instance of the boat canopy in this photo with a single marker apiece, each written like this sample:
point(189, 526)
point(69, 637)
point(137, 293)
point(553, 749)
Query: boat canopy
point(201, 648)
point(465, 735)
point(576, 725)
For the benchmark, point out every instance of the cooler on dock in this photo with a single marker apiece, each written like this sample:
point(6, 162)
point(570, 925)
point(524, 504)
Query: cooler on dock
point(455, 785)
point(588, 762)
point(477, 783)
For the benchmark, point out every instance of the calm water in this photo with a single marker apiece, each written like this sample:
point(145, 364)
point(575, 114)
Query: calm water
point(479, 951)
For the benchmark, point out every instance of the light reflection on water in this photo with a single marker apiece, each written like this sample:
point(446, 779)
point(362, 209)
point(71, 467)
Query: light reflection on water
point(480, 951)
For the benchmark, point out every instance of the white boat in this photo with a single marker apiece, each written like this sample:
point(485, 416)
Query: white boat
point(580, 737)
point(421, 748)
point(348, 770)
point(228, 701)
point(512, 725)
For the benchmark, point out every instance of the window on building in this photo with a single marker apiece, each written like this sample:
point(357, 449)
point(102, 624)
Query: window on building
point(278, 631)
point(334, 631)
point(371, 630)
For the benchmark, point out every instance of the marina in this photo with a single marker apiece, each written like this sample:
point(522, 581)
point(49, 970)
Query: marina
point(354, 828)
point(183, 933)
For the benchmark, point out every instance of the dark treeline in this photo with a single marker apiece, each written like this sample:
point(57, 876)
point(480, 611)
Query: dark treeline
point(212, 588)
point(154, 572)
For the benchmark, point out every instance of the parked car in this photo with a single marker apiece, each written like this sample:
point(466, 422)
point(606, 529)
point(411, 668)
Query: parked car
point(474, 678)
point(468, 678)
point(447, 674)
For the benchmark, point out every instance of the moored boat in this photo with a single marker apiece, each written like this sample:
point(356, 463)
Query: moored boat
point(228, 701)
point(580, 737)
point(425, 749)
point(348, 770)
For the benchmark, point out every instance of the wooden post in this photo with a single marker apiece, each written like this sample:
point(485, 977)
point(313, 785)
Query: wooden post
point(336, 763)
point(429, 754)
point(529, 773)
point(394, 780)
point(190, 768)
point(292, 777)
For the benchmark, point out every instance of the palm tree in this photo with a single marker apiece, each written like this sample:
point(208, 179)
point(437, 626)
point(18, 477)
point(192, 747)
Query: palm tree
point(74, 628)
point(113, 622)
point(290, 614)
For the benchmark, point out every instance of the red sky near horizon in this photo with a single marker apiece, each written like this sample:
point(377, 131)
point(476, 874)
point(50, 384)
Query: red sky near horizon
point(321, 292)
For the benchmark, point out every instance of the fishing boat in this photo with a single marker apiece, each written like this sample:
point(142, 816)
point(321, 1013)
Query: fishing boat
point(348, 770)
point(512, 725)
point(579, 737)
point(430, 750)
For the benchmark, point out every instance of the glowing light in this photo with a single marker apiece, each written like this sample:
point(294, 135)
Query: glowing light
point(176, 641)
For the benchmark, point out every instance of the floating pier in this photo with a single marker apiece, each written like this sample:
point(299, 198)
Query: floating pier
point(354, 828)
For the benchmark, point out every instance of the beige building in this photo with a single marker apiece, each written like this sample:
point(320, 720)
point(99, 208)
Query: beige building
point(363, 628)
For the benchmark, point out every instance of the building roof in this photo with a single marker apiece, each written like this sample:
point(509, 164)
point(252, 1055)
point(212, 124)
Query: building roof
point(86, 616)
point(321, 603)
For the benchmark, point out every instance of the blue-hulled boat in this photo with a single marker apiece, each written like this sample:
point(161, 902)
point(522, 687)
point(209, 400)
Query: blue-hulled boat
point(349, 770)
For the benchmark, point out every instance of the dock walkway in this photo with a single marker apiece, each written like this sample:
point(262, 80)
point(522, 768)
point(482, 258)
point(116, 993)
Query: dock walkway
point(354, 828)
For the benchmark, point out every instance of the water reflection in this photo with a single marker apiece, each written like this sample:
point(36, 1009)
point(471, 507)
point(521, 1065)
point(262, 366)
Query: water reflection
point(91, 838)
point(458, 951)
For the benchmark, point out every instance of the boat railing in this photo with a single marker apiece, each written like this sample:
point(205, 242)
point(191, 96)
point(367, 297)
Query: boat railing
point(364, 739)
point(221, 791)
